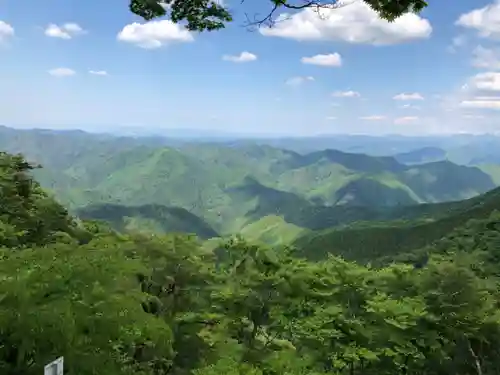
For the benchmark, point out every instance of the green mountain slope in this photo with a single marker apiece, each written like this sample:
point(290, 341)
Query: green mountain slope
point(444, 181)
point(371, 192)
point(135, 303)
point(231, 186)
point(493, 170)
point(152, 218)
point(271, 230)
point(368, 241)
point(355, 162)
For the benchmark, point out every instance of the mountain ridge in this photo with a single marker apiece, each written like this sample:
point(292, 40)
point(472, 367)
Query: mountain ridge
point(315, 190)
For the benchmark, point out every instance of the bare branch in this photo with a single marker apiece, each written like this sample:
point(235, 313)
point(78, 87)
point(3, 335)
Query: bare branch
point(270, 21)
point(477, 361)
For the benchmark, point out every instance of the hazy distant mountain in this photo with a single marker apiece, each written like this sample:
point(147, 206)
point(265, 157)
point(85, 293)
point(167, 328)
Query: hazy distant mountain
point(375, 145)
point(421, 155)
point(229, 185)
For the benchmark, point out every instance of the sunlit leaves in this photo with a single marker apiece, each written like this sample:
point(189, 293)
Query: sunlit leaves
point(208, 15)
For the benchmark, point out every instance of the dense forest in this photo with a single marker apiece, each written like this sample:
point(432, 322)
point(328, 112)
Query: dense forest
point(263, 192)
point(135, 303)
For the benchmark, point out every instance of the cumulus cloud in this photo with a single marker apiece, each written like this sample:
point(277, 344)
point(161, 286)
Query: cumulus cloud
point(154, 34)
point(372, 118)
point(346, 94)
point(405, 120)
point(6, 31)
point(98, 72)
point(331, 59)
point(65, 31)
point(62, 72)
point(353, 23)
point(243, 57)
point(410, 96)
point(486, 58)
point(483, 20)
point(484, 82)
point(482, 91)
point(297, 81)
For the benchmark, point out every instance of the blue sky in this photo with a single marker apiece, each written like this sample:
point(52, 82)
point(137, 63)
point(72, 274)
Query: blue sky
point(93, 65)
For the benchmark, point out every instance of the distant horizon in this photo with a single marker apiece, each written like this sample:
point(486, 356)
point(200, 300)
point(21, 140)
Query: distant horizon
point(137, 131)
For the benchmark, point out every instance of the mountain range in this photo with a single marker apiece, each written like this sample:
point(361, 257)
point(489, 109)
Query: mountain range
point(321, 201)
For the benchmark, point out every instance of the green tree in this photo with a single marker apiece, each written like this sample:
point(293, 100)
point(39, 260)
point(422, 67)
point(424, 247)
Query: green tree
point(82, 303)
point(207, 15)
point(27, 214)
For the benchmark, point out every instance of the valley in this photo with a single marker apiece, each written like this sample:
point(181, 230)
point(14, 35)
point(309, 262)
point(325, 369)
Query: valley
point(235, 188)
point(209, 187)
point(235, 259)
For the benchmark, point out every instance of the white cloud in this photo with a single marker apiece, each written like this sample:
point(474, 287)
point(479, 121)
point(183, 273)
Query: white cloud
point(405, 120)
point(332, 59)
point(62, 72)
point(410, 106)
point(296, 81)
point(66, 31)
point(154, 34)
point(482, 91)
point(346, 94)
point(411, 96)
point(331, 118)
point(241, 58)
point(372, 118)
point(482, 102)
point(6, 31)
point(484, 82)
point(483, 20)
point(98, 72)
point(485, 58)
point(353, 23)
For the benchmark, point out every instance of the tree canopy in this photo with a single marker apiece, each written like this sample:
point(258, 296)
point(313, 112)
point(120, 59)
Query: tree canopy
point(208, 15)
point(134, 303)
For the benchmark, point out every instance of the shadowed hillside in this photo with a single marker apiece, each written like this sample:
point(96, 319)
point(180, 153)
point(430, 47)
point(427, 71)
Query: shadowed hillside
point(141, 303)
point(356, 162)
point(230, 186)
point(154, 218)
point(369, 192)
point(368, 241)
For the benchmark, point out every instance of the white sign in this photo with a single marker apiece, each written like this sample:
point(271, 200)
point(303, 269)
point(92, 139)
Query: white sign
point(55, 367)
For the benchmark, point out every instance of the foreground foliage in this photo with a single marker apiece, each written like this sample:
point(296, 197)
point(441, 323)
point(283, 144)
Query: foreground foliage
point(207, 15)
point(121, 304)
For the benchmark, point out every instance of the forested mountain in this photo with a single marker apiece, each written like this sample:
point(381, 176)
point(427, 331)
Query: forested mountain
point(385, 240)
point(229, 187)
point(421, 155)
point(129, 303)
point(458, 148)
point(149, 218)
